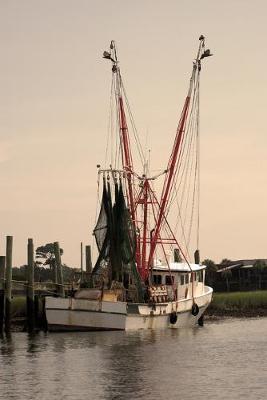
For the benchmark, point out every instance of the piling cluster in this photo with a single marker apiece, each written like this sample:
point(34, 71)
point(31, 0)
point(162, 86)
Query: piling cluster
point(35, 316)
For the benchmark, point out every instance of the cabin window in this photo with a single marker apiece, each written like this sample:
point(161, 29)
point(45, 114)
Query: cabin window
point(157, 279)
point(186, 279)
point(182, 280)
point(169, 280)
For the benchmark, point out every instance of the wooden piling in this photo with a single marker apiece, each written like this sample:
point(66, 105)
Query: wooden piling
point(2, 291)
point(55, 272)
point(8, 286)
point(81, 261)
point(36, 305)
point(61, 290)
point(88, 259)
point(30, 287)
point(176, 255)
point(197, 257)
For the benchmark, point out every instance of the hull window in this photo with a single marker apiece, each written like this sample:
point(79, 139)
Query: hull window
point(157, 279)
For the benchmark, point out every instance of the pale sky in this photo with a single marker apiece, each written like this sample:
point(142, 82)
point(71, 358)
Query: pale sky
point(54, 104)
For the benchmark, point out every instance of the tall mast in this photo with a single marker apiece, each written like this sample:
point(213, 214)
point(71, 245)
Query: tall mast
point(174, 158)
point(145, 205)
point(127, 161)
point(143, 265)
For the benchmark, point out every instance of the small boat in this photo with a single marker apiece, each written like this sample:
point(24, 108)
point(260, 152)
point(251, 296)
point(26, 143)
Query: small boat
point(143, 277)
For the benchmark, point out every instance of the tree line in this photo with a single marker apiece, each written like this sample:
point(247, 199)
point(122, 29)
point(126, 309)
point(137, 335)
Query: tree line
point(45, 264)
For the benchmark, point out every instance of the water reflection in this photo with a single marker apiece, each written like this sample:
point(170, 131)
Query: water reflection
point(125, 366)
point(215, 362)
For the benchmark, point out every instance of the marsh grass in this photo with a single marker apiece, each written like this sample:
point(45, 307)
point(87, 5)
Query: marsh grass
point(240, 301)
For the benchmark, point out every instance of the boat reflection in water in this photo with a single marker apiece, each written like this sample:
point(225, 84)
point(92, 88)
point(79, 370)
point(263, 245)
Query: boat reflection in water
point(146, 364)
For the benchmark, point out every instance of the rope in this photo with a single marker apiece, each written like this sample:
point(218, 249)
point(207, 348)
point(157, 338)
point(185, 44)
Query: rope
point(186, 189)
point(198, 164)
point(188, 138)
point(136, 137)
point(109, 128)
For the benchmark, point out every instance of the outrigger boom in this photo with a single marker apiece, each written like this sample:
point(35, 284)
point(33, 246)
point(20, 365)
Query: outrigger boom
point(146, 197)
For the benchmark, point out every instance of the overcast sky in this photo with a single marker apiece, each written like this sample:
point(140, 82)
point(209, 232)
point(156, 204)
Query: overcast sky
point(54, 97)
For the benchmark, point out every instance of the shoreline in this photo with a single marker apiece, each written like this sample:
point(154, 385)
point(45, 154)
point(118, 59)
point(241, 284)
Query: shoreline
point(249, 304)
point(252, 304)
point(234, 313)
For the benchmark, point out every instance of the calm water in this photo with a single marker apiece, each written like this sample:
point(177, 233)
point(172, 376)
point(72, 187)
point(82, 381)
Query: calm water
point(223, 360)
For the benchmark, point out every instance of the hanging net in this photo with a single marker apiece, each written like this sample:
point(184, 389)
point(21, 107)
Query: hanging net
point(116, 242)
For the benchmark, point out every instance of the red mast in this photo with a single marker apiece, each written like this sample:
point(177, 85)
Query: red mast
point(174, 158)
point(169, 179)
point(143, 266)
point(140, 205)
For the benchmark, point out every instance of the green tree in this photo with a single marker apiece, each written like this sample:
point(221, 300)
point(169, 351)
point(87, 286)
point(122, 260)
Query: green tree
point(225, 262)
point(211, 266)
point(211, 271)
point(227, 274)
point(46, 253)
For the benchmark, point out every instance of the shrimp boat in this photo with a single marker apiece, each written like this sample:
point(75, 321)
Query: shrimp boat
point(143, 277)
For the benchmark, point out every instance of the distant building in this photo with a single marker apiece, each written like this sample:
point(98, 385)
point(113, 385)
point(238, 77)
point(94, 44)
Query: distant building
point(241, 275)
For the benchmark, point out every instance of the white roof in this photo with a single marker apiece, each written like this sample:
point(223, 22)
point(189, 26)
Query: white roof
point(179, 267)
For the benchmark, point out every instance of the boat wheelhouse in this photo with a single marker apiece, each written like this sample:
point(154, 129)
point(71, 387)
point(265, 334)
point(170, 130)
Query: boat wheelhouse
point(181, 277)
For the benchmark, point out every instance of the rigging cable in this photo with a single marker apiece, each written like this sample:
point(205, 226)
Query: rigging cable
point(182, 172)
point(136, 137)
point(198, 164)
point(187, 138)
point(110, 127)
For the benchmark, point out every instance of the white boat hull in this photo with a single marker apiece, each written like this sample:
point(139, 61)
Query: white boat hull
point(82, 314)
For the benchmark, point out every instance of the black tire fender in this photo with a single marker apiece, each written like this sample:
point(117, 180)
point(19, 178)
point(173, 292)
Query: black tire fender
point(173, 317)
point(195, 309)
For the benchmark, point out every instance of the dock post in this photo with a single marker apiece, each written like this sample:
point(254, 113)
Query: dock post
point(197, 257)
point(8, 288)
point(61, 290)
point(81, 262)
point(2, 291)
point(176, 255)
point(88, 259)
point(55, 272)
point(30, 287)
